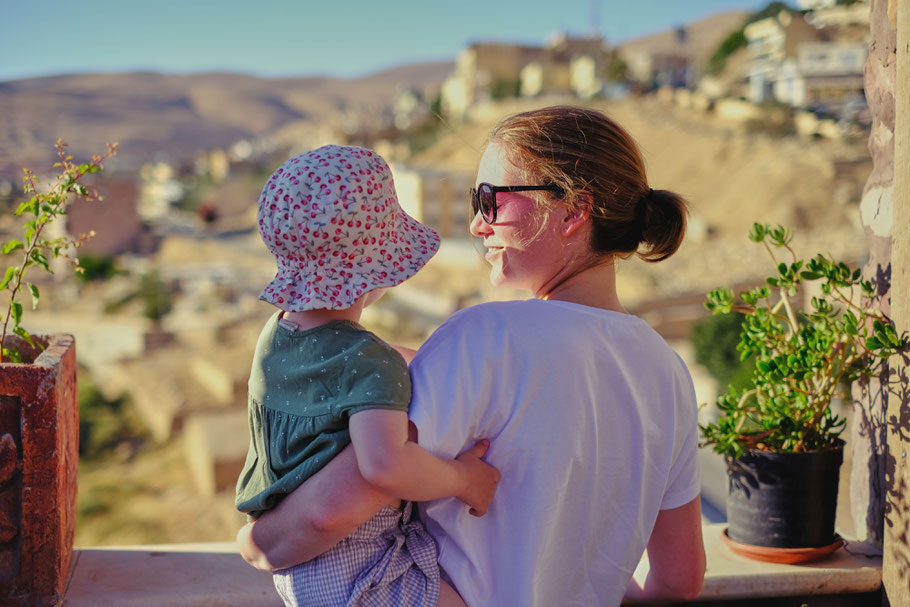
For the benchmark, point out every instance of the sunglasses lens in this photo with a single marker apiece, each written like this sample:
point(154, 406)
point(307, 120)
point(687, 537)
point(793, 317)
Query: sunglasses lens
point(487, 203)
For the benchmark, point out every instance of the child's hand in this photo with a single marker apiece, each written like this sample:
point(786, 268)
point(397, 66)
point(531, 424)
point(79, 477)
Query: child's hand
point(480, 478)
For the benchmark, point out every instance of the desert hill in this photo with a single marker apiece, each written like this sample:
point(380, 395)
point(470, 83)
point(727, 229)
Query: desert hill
point(701, 37)
point(153, 114)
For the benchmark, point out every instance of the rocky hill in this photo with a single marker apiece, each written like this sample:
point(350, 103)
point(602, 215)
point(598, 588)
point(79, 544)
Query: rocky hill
point(152, 114)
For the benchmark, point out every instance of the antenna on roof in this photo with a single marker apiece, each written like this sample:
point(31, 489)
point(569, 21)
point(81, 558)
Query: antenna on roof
point(595, 19)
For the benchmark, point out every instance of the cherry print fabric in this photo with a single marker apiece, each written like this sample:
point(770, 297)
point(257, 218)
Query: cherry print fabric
point(332, 220)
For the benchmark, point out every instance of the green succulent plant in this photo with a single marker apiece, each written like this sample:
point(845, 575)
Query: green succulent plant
point(803, 358)
point(36, 250)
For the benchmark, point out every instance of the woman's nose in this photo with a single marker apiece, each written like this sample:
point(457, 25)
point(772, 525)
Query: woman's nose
point(478, 227)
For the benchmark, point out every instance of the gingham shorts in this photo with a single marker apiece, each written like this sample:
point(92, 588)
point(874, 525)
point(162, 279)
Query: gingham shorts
point(389, 561)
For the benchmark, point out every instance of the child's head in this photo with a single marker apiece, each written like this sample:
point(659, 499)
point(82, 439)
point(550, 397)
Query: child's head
point(332, 220)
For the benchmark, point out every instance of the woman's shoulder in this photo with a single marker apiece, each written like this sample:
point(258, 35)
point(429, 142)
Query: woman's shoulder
point(489, 315)
point(472, 327)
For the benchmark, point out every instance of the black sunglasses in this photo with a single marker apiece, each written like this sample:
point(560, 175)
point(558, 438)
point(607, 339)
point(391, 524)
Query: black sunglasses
point(483, 198)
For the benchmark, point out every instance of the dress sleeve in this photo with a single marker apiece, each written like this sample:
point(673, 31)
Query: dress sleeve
point(375, 377)
point(450, 379)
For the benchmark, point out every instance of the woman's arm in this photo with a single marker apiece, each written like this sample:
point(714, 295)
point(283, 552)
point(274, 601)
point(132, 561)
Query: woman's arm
point(406, 352)
point(320, 513)
point(676, 557)
point(401, 467)
point(312, 519)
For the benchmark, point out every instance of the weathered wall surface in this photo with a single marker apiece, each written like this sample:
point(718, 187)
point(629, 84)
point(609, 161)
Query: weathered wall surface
point(868, 432)
point(896, 561)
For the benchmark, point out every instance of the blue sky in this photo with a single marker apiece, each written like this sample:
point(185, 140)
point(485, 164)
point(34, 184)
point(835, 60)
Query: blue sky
point(272, 38)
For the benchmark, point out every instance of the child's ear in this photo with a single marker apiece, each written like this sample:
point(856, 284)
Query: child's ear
point(576, 217)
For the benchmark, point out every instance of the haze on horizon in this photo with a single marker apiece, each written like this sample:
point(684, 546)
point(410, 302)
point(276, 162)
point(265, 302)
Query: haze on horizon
point(275, 38)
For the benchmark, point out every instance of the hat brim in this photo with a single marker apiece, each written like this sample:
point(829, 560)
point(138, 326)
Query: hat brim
point(298, 287)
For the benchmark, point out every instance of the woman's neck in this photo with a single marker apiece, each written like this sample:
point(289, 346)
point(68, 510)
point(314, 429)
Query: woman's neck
point(594, 286)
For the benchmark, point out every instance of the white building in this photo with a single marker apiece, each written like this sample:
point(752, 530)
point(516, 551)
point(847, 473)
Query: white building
point(827, 73)
point(772, 43)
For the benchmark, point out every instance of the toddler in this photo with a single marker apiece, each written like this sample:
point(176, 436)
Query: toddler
point(320, 381)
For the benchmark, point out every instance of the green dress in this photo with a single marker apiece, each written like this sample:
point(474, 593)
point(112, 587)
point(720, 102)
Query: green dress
point(304, 386)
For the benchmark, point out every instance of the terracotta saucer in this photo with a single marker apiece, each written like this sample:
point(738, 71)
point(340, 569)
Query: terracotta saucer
point(787, 556)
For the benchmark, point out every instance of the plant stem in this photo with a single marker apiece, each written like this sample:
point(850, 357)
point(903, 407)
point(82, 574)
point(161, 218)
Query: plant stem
point(794, 324)
point(42, 219)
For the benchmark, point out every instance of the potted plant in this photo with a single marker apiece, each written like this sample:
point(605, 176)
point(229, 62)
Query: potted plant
point(39, 422)
point(779, 434)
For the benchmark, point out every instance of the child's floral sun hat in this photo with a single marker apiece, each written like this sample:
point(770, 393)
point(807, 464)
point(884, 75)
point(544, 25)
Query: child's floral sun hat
point(332, 219)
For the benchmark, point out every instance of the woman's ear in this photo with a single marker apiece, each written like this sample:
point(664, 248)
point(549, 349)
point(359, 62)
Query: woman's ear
point(578, 216)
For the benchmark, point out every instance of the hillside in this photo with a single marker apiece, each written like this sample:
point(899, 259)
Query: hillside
point(702, 37)
point(152, 114)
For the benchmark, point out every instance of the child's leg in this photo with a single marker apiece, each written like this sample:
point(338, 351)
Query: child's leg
point(448, 597)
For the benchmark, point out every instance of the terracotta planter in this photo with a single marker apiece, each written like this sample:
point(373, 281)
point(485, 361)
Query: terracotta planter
point(39, 453)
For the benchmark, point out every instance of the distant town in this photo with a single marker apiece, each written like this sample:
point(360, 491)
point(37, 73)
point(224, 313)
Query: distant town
point(752, 117)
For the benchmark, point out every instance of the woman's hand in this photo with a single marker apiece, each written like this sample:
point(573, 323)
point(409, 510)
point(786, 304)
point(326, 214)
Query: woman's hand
point(480, 478)
point(314, 517)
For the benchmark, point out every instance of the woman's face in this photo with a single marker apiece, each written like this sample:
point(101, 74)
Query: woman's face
point(519, 257)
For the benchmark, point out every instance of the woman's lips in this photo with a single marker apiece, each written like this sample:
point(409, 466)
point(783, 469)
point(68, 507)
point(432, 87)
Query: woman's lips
point(492, 252)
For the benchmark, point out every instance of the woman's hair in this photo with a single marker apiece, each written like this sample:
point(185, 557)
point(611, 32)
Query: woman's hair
point(597, 164)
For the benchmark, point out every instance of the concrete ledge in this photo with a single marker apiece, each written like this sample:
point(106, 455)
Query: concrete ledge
point(214, 574)
point(167, 576)
point(730, 576)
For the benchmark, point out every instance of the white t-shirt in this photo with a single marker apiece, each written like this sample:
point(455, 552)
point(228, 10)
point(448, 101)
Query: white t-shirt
point(592, 419)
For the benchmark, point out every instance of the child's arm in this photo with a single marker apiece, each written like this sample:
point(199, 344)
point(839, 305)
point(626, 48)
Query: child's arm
point(392, 463)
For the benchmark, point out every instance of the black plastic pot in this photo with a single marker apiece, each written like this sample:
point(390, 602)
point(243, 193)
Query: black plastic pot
point(783, 500)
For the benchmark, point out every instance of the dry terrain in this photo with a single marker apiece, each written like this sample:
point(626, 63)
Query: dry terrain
point(173, 117)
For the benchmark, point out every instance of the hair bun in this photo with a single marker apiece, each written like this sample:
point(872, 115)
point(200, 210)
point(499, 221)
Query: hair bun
point(662, 217)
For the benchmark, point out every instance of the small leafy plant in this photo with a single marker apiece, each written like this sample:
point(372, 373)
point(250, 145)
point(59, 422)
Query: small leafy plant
point(44, 209)
point(803, 359)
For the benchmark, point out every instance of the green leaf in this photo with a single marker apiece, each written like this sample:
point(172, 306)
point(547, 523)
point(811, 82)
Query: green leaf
point(12, 245)
point(24, 334)
point(12, 355)
point(10, 273)
point(29, 206)
point(872, 343)
point(39, 258)
point(36, 295)
point(16, 313)
point(807, 275)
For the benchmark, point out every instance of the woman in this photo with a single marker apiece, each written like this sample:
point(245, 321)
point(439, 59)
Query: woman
point(591, 416)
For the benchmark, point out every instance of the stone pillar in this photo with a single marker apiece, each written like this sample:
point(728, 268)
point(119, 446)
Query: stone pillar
point(868, 432)
point(39, 454)
point(896, 557)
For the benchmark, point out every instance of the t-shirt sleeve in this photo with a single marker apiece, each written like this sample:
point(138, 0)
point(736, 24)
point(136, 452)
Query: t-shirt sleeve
point(683, 484)
point(450, 390)
point(375, 377)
